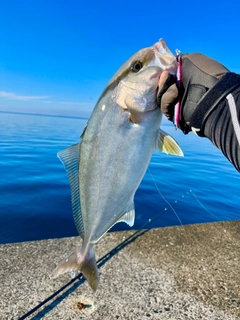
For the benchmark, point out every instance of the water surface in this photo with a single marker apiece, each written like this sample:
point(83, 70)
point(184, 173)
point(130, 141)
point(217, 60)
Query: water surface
point(35, 194)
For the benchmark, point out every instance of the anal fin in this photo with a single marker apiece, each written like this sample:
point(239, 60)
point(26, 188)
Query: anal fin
point(128, 217)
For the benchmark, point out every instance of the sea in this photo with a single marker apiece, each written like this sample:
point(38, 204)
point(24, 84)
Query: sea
point(35, 200)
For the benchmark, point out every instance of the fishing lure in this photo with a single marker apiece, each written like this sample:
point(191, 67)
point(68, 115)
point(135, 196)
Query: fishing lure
point(179, 80)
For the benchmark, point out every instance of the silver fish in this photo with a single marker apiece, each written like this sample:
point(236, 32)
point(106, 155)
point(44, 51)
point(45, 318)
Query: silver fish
point(107, 166)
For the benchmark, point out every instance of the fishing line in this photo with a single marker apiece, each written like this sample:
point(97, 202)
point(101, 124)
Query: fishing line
point(203, 205)
point(165, 198)
point(108, 255)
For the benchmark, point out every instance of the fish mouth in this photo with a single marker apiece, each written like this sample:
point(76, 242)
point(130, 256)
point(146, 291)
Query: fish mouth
point(164, 56)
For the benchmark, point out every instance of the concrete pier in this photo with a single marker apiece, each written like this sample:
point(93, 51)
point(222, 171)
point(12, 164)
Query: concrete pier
point(190, 272)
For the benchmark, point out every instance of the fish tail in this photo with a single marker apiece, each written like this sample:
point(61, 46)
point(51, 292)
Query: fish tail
point(80, 260)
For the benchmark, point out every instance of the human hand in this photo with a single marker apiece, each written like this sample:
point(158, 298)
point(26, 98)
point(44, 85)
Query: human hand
point(167, 94)
point(199, 74)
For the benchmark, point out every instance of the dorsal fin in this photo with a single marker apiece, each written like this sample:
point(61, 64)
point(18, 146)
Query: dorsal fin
point(70, 159)
point(84, 130)
point(165, 143)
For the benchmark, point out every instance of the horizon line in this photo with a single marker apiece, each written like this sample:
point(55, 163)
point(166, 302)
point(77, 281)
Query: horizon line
point(44, 115)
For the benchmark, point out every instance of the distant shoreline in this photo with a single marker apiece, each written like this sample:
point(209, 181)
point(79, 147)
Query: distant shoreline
point(43, 115)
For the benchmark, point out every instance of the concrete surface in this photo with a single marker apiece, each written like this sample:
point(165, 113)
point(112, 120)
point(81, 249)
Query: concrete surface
point(190, 272)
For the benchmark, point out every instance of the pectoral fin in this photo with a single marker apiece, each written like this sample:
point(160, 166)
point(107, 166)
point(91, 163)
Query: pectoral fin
point(165, 143)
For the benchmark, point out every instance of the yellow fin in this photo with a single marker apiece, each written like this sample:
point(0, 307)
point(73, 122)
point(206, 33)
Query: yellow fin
point(165, 143)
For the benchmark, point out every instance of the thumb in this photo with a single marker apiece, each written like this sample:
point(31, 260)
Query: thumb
point(167, 94)
point(163, 78)
point(165, 81)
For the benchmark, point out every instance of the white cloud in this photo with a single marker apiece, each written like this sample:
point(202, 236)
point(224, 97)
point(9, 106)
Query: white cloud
point(47, 101)
point(44, 99)
point(14, 96)
point(76, 103)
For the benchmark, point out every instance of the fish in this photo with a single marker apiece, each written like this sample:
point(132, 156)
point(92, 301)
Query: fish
point(106, 167)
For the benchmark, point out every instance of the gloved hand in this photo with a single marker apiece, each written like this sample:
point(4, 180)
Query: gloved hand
point(199, 74)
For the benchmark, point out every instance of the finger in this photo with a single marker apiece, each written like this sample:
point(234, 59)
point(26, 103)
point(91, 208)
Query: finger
point(162, 79)
point(165, 81)
point(168, 101)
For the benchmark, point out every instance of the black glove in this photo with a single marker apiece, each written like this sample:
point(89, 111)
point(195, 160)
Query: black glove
point(167, 94)
point(199, 74)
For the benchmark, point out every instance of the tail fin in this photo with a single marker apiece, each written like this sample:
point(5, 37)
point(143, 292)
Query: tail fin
point(80, 260)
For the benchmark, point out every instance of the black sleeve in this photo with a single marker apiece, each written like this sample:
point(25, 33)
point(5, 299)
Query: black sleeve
point(222, 127)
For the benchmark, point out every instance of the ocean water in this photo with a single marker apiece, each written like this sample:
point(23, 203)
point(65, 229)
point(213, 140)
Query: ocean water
point(35, 194)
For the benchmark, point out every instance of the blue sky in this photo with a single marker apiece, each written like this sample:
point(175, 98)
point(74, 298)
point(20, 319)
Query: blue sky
point(56, 56)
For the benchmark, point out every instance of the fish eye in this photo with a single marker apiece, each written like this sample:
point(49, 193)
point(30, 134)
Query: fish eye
point(136, 66)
